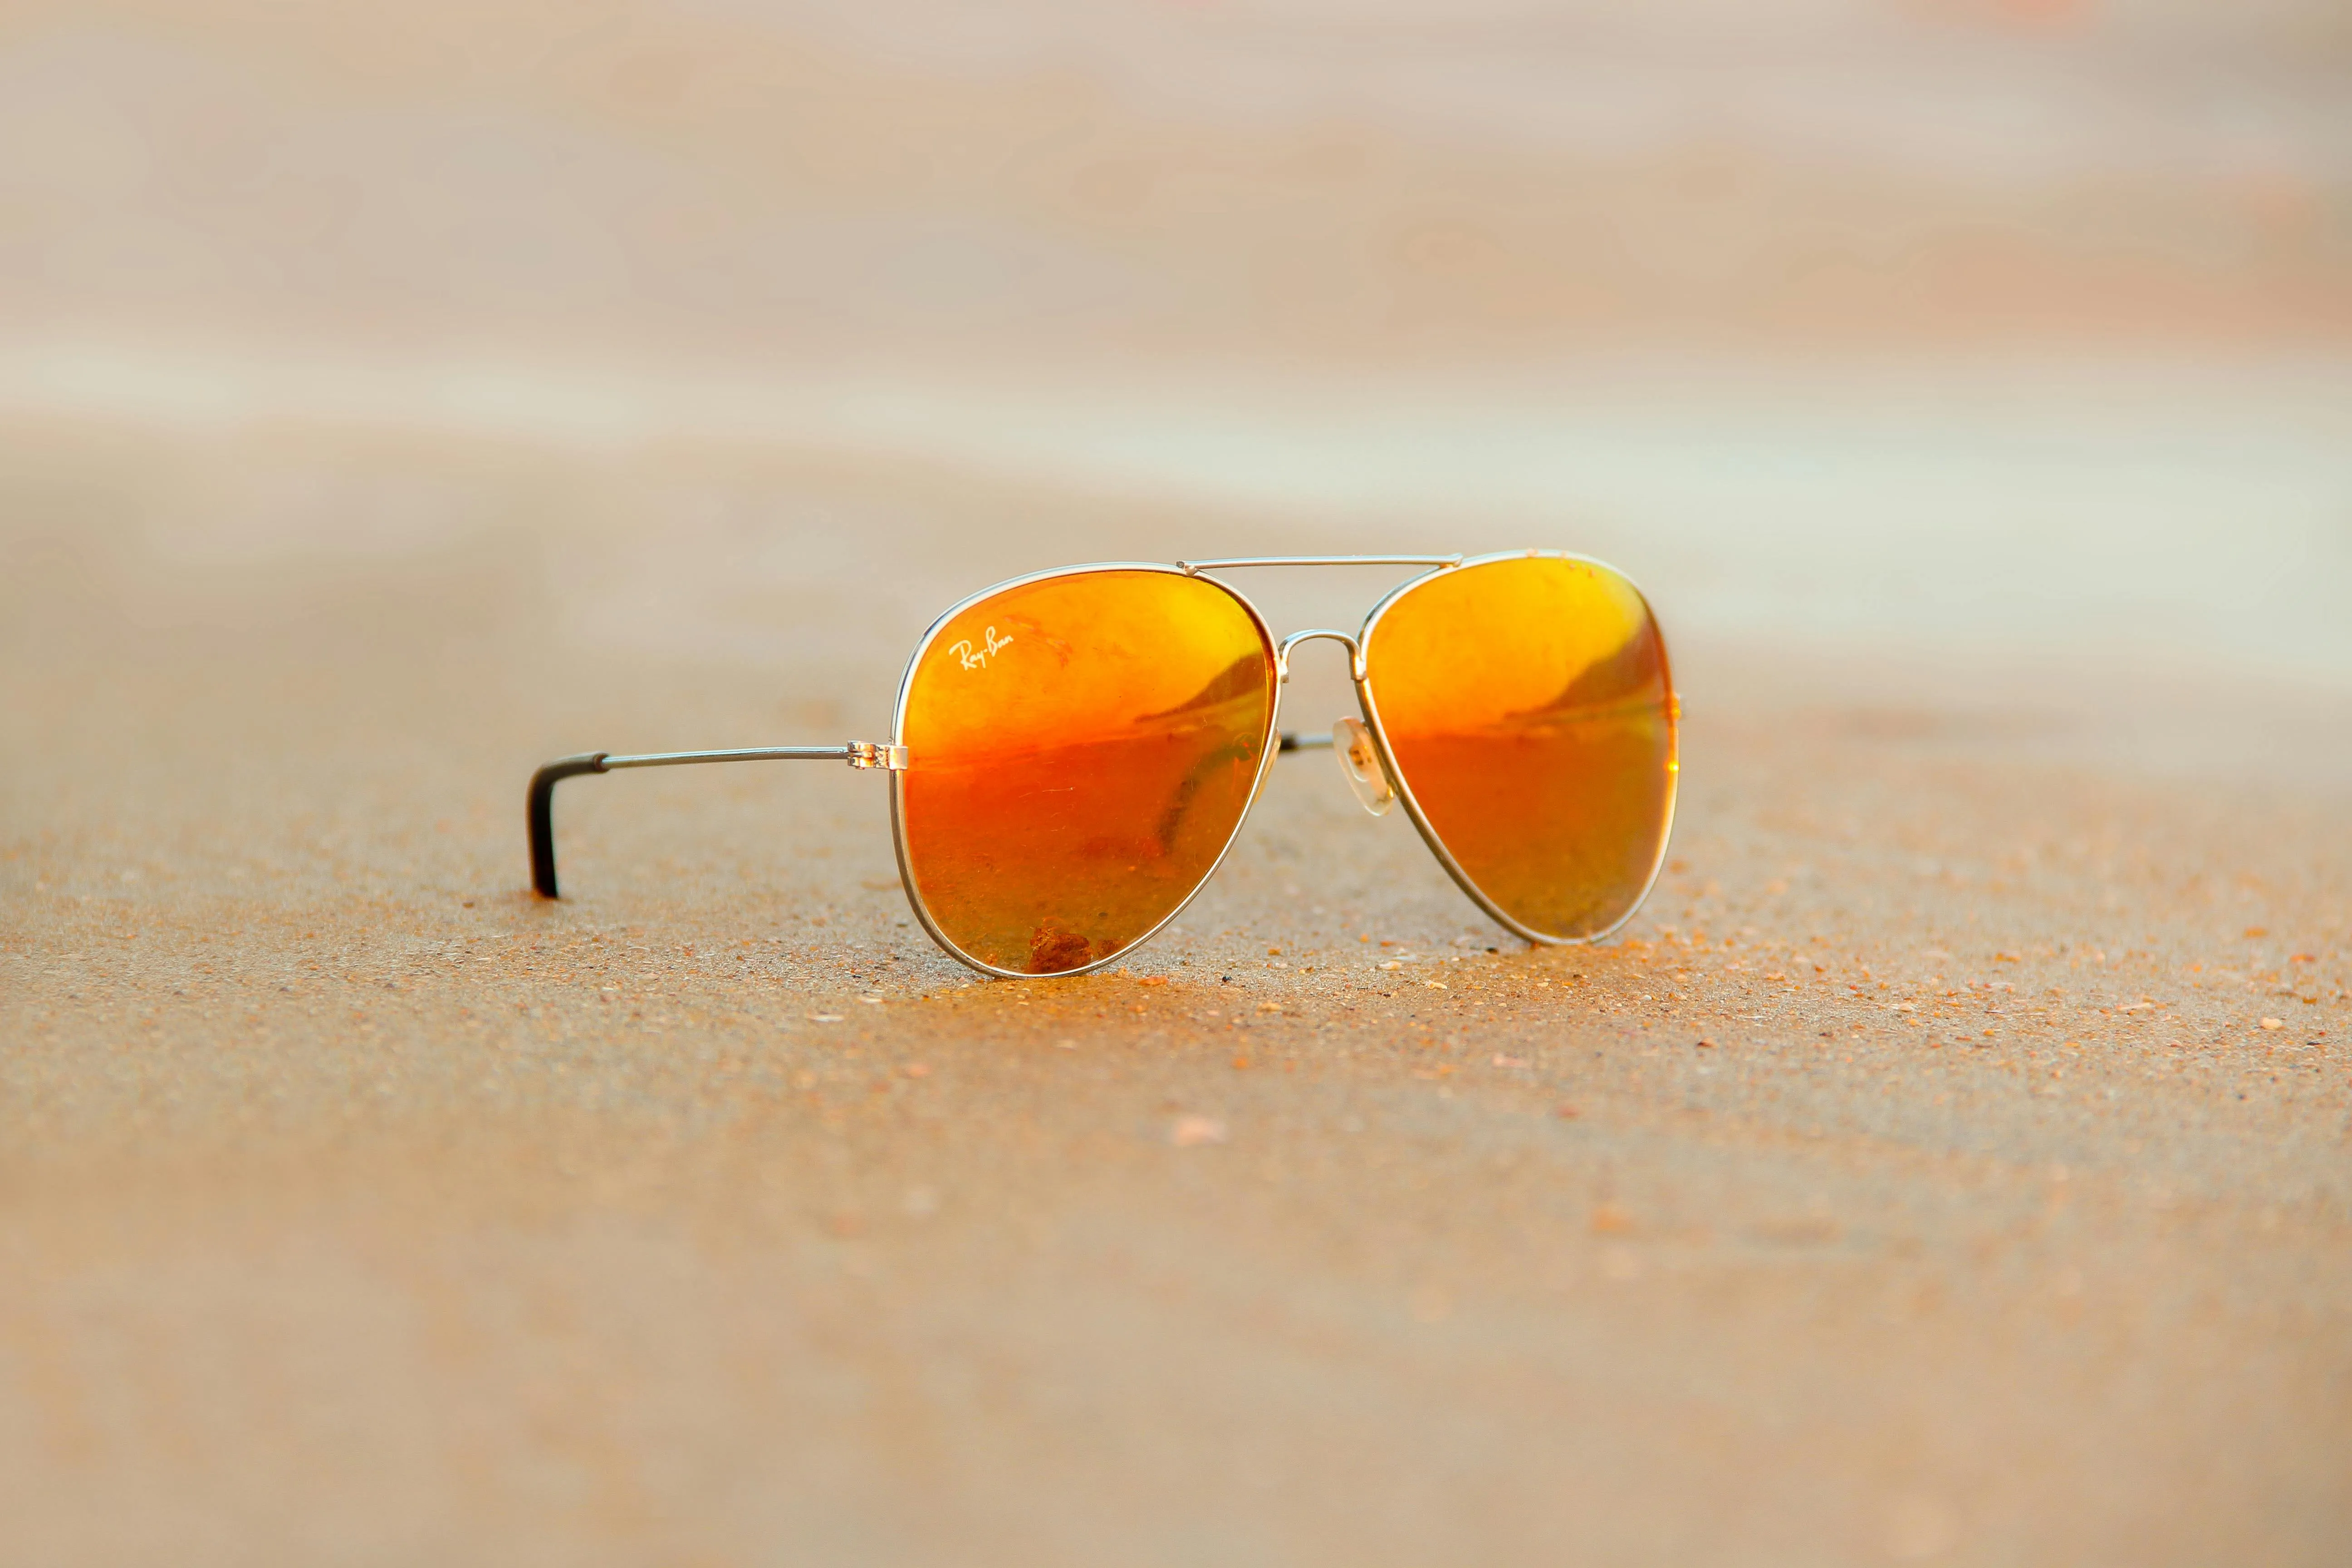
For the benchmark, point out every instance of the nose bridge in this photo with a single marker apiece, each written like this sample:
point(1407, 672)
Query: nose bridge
point(1355, 652)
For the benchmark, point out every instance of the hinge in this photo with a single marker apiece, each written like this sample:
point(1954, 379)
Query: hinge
point(873, 754)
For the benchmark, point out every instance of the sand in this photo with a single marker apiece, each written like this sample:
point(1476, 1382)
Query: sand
point(1950, 1164)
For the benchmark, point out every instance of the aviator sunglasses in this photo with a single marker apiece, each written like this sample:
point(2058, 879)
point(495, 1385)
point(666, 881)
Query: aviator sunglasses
point(1075, 751)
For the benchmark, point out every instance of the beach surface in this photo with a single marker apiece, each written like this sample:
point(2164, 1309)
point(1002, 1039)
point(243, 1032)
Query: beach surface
point(1950, 1163)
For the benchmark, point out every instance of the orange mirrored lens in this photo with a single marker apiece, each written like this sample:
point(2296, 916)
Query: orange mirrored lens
point(1527, 708)
point(1080, 751)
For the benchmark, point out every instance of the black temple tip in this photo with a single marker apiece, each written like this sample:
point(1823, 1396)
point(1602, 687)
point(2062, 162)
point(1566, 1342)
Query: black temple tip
point(538, 814)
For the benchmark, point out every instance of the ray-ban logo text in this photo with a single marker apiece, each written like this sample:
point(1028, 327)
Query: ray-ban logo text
point(976, 655)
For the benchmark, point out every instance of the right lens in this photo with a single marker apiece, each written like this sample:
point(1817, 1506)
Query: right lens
point(1526, 702)
point(1080, 751)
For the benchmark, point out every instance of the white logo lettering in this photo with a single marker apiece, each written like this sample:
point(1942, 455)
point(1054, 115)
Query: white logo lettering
point(977, 657)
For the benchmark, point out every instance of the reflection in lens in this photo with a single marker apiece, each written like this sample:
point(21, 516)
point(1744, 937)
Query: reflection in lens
point(1528, 706)
point(1080, 751)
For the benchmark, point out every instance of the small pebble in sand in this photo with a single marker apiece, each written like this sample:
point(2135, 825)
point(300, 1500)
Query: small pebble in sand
point(2274, 1022)
point(1190, 1131)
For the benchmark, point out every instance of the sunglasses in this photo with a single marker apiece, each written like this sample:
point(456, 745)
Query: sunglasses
point(1075, 751)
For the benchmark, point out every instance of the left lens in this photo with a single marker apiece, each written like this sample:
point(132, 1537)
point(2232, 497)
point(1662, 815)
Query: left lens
point(1525, 703)
point(1080, 751)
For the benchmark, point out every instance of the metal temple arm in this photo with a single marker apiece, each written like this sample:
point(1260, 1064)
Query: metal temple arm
point(538, 806)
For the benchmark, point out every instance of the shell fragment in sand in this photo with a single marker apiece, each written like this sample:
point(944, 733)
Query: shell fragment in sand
point(1190, 1131)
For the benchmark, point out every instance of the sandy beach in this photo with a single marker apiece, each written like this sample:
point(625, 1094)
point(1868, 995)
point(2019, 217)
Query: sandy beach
point(1952, 1163)
point(360, 1205)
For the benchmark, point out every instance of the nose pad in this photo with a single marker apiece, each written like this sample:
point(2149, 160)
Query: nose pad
point(1351, 743)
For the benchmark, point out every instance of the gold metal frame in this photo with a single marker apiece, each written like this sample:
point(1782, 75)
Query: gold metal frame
point(892, 756)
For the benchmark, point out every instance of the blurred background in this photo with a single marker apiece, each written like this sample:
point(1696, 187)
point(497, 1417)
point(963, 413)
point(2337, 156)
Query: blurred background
point(2007, 331)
